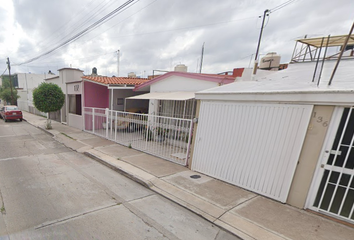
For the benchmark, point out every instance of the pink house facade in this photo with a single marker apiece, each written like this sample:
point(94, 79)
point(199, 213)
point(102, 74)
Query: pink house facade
point(100, 93)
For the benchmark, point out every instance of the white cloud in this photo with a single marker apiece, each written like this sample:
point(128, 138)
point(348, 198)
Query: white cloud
point(158, 34)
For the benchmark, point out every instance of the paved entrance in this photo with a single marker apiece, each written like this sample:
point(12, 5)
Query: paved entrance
point(164, 137)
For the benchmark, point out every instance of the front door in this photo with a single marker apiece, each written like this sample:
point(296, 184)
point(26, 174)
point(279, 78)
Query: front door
point(335, 183)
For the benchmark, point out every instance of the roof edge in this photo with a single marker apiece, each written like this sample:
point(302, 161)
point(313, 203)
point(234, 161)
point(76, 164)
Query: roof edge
point(205, 77)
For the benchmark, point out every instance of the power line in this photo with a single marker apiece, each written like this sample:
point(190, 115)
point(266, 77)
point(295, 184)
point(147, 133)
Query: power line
point(57, 31)
point(281, 6)
point(184, 28)
point(121, 21)
point(62, 61)
point(121, 8)
point(4, 72)
point(79, 25)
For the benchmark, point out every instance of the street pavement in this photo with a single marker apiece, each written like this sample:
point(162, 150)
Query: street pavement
point(49, 191)
point(243, 213)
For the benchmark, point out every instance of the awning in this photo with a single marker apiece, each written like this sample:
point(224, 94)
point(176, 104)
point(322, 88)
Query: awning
point(333, 41)
point(178, 96)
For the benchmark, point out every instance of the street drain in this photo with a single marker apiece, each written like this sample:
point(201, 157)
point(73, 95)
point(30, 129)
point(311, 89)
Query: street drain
point(195, 176)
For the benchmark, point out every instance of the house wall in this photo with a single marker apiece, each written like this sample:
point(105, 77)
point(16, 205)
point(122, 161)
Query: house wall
point(62, 112)
point(309, 156)
point(96, 95)
point(29, 81)
point(73, 120)
point(177, 83)
point(58, 81)
point(22, 102)
point(130, 104)
point(195, 126)
point(70, 75)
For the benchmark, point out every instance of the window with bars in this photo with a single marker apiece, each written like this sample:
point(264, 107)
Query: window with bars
point(177, 109)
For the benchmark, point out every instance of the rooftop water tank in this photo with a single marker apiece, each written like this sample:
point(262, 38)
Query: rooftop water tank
point(181, 68)
point(271, 61)
point(132, 75)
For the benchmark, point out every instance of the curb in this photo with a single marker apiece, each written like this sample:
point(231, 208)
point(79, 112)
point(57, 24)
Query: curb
point(42, 129)
point(119, 170)
point(151, 186)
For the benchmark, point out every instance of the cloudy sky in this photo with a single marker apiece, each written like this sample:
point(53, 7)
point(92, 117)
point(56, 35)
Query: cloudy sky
point(159, 34)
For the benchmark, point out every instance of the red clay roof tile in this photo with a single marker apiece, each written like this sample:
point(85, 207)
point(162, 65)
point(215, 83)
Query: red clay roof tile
point(116, 80)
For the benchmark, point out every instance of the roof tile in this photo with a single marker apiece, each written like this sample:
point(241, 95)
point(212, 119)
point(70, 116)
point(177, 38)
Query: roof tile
point(116, 80)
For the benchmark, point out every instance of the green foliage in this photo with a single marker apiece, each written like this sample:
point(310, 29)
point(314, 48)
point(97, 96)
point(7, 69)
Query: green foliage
point(5, 92)
point(48, 97)
point(6, 81)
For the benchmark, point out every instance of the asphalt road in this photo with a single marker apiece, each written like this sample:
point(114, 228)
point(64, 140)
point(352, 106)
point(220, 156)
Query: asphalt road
point(48, 191)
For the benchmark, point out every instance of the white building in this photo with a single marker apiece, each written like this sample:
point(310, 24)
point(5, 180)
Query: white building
point(26, 83)
point(288, 136)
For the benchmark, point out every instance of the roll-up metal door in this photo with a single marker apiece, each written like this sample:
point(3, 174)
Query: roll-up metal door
point(252, 145)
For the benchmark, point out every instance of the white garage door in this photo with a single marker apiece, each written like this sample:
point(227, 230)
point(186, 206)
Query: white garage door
point(254, 146)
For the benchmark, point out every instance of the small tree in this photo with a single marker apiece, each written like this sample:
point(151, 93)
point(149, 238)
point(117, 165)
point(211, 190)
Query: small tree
point(48, 97)
point(5, 92)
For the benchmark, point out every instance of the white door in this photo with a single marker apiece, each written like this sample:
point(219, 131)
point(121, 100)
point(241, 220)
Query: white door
point(333, 187)
point(252, 145)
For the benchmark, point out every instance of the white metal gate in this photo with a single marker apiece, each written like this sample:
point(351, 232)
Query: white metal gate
point(333, 189)
point(165, 137)
point(252, 145)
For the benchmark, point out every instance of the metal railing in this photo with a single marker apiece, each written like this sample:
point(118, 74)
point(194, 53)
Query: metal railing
point(165, 137)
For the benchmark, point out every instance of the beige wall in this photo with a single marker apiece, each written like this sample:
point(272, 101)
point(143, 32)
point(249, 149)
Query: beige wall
point(194, 135)
point(309, 156)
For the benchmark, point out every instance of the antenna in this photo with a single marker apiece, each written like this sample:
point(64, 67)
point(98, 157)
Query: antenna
point(266, 13)
point(201, 59)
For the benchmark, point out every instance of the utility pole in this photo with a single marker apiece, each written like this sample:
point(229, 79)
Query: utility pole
point(341, 54)
point(9, 67)
point(118, 52)
point(259, 42)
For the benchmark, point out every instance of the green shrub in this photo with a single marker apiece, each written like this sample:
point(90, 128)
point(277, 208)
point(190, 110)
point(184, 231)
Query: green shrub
point(48, 97)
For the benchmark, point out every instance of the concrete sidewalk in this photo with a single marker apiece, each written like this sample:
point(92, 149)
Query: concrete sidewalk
point(246, 214)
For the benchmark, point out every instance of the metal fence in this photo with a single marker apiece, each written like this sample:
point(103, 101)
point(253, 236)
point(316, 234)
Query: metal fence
point(165, 137)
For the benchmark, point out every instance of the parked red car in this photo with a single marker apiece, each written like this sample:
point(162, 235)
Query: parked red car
point(10, 113)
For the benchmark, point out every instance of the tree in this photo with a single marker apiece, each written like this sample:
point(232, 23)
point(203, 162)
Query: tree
point(5, 92)
point(48, 97)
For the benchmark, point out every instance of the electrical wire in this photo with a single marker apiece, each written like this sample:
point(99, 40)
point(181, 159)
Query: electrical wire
point(97, 35)
point(63, 27)
point(126, 18)
point(107, 17)
point(86, 21)
point(118, 10)
point(52, 40)
point(62, 61)
point(4, 72)
point(184, 28)
point(281, 6)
